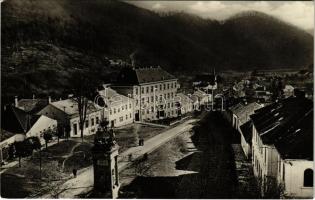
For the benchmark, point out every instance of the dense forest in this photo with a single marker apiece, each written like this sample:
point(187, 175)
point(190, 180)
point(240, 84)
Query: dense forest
point(44, 41)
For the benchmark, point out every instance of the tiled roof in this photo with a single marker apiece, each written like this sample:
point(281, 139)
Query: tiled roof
point(243, 111)
point(70, 107)
point(130, 76)
point(32, 105)
point(15, 120)
point(288, 124)
point(112, 97)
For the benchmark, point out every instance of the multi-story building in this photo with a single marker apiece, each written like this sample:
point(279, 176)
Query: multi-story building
point(66, 113)
point(153, 90)
point(282, 147)
point(118, 109)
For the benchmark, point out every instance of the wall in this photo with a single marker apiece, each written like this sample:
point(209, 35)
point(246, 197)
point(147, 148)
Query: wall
point(245, 146)
point(120, 114)
point(88, 130)
point(294, 178)
point(42, 124)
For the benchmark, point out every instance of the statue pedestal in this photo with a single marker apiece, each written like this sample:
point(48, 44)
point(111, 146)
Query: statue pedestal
point(105, 165)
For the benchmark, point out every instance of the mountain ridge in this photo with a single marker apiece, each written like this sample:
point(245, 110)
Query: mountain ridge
point(178, 42)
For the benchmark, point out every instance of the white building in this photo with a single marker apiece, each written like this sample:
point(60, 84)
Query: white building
point(16, 122)
point(184, 103)
point(288, 91)
point(282, 147)
point(66, 113)
point(119, 109)
point(153, 90)
point(241, 122)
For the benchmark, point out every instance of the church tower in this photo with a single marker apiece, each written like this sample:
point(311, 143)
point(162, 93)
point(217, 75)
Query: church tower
point(105, 164)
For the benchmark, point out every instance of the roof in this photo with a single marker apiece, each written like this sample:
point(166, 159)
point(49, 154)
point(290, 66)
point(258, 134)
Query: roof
point(200, 94)
point(184, 99)
point(113, 97)
point(15, 120)
point(288, 124)
point(243, 111)
point(5, 135)
point(247, 131)
point(69, 106)
point(32, 105)
point(135, 76)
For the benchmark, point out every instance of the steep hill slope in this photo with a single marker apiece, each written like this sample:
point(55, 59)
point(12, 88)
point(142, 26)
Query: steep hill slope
point(64, 35)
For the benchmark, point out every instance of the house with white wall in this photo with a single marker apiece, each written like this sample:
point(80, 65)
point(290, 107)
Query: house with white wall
point(117, 109)
point(16, 122)
point(184, 103)
point(241, 122)
point(282, 147)
point(66, 113)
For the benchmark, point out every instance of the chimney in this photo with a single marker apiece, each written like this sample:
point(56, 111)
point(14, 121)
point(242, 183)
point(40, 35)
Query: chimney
point(49, 99)
point(16, 102)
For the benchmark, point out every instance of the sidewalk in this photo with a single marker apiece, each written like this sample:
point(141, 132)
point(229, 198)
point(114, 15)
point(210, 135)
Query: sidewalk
point(84, 180)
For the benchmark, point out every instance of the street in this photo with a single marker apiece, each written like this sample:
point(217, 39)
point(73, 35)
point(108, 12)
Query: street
point(84, 180)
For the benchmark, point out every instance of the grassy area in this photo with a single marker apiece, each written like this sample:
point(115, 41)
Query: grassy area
point(129, 135)
point(60, 159)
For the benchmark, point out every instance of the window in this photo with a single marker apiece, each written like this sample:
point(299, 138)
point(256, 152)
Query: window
point(168, 86)
point(168, 105)
point(171, 85)
point(130, 115)
point(126, 106)
point(126, 117)
point(148, 111)
point(130, 105)
point(152, 109)
point(118, 110)
point(92, 121)
point(152, 98)
point(122, 107)
point(168, 95)
point(142, 100)
point(152, 88)
point(86, 123)
point(136, 102)
point(121, 119)
point(97, 120)
point(308, 178)
point(114, 110)
point(142, 90)
point(160, 89)
point(164, 86)
point(147, 89)
point(136, 90)
point(148, 100)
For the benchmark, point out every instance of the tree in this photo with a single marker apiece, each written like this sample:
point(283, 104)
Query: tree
point(23, 148)
point(83, 87)
point(47, 137)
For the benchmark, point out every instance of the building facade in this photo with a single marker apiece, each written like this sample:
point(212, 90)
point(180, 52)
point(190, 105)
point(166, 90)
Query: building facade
point(118, 109)
point(153, 90)
point(66, 113)
point(282, 147)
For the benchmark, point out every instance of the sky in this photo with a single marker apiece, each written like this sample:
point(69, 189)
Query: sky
point(298, 13)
